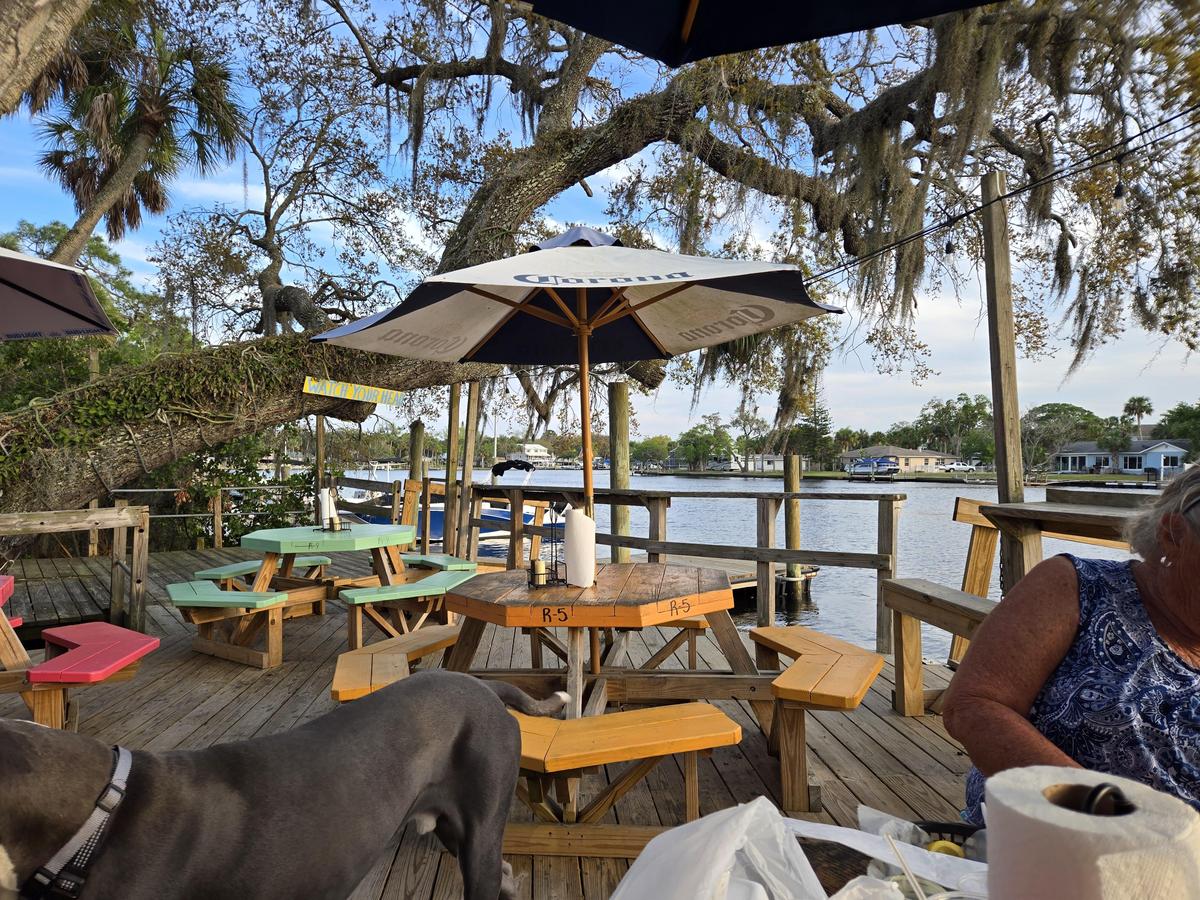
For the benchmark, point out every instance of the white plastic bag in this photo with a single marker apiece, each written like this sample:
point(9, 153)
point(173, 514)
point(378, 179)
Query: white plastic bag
point(743, 853)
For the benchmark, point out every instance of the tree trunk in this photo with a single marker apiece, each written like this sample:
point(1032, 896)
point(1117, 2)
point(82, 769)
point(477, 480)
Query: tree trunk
point(87, 441)
point(32, 32)
point(120, 181)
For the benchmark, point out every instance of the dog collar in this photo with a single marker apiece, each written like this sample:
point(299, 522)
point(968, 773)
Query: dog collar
point(65, 874)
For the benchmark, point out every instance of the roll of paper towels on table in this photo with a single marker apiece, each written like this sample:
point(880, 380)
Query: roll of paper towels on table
point(1042, 847)
point(579, 544)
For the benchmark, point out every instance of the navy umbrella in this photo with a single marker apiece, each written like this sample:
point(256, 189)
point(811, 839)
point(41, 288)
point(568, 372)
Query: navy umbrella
point(582, 298)
point(682, 31)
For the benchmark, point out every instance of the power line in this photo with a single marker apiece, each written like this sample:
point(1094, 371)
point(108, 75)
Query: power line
point(1084, 164)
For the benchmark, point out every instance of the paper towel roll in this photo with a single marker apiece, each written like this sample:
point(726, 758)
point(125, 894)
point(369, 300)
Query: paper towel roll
point(579, 546)
point(1039, 849)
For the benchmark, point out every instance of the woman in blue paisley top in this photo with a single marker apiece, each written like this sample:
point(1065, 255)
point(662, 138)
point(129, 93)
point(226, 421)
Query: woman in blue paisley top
point(1094, 663)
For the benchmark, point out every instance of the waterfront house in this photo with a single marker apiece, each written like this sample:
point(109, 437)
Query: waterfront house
point(908, 460)
point(533, 453)
point(1165, 455)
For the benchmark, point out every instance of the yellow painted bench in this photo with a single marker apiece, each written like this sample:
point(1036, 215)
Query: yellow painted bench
point(825, 673)
point(367, 669)
point(555, 753)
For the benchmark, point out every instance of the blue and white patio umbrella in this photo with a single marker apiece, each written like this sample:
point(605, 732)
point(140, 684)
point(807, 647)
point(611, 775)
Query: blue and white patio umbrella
point(43, 299)
point(582, 298)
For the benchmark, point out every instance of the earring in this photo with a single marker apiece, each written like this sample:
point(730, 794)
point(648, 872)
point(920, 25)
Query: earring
point(1164, 562)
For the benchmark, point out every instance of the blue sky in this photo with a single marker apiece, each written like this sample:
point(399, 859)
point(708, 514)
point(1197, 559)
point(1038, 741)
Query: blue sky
point(856, 394)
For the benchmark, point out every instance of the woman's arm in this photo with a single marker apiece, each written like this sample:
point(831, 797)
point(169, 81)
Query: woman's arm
point(1018, 647)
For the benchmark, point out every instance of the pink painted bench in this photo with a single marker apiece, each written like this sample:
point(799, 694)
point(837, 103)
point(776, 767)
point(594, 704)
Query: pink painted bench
point(76, 656)
point(94, 651)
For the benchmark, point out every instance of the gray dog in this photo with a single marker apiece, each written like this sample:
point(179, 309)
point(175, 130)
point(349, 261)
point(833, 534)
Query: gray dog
point(303, 814)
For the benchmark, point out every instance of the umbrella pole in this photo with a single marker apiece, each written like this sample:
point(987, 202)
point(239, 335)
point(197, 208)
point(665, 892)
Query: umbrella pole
point(585, 412)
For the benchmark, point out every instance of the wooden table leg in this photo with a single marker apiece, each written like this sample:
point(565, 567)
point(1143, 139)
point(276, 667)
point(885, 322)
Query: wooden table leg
point(793, 759)
point(909, 696)
point(594, 638)
point(575, 657)
point(266, 571)
point(464, 648)
point(739, 660)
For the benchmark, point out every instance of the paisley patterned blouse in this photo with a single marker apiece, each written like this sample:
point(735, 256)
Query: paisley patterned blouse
point(1121, 701)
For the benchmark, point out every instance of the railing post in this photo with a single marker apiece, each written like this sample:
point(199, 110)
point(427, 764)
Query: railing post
point(397, 494)
point(466, 511)
point(657, 507)
point(450, 501)
point(516, 520)
point(140, 564)
point(117, 610)
point(217, 525)
point(791, 519)
point(93, 547)
point(888, 527)
point(768, 508)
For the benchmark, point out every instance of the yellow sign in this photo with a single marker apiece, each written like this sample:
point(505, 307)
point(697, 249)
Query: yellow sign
point(347, 391)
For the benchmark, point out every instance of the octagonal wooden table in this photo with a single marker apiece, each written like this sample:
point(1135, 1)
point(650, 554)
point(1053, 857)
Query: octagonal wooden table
point(624, 596)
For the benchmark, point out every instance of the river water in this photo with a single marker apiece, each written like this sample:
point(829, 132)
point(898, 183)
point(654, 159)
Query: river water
point(931, 544)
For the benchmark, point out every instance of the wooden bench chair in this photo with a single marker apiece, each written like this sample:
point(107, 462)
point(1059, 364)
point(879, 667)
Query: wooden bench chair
point(556, 753)
point(825, 673)
point(408, 605)
point(229, 623)
point(367, 669)
point(232, 576)
point(443, 562)
point(916, 600)
point(77, 656)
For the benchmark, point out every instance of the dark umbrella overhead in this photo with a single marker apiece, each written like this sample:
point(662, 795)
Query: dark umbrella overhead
point(519, 464)
point(43, 299)
point(582, 298)
point(683, 31)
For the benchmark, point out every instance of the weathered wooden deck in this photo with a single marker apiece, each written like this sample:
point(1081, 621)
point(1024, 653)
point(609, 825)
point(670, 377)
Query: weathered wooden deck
point(181, 699)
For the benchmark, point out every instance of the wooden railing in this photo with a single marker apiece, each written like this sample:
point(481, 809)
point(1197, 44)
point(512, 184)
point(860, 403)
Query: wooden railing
point(764, 554)
point(127, 579)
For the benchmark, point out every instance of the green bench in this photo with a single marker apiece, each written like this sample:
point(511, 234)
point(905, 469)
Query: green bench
point(443, 562)
point(230, 622)
point(416, 598)
point(226, 575)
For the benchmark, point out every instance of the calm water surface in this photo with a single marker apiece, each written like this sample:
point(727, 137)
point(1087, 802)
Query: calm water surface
point(931, 545)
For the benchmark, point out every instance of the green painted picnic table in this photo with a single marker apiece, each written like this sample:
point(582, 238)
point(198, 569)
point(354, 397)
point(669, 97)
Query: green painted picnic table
point(281, 545)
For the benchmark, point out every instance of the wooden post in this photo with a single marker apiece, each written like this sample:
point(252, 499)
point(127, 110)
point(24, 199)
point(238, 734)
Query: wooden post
point(585, 406)
point(93, 545)
point(618, 443)
point(450, 501)
point(416, 450)
point(426, 513)
point(516, 527)
point(136, 617)
point(1020, 548)
point(657, 507)
point(397, 497)
point(791, 519)
point(888, 528)
point(768, 507)
point(470, 427)
point(117, 610)
point(319, 457)
point(217, 525)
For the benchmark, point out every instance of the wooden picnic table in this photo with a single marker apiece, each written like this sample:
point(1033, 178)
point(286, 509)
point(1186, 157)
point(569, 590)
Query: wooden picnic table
point(624, 596)
point(281, 545)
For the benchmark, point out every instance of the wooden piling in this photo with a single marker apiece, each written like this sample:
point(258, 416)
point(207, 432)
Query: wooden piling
point(416, 450)
point(319, 468)
point(1020, 549)
point(450, 505)
point(618, 451)
point(470, 429)
point(791, 520)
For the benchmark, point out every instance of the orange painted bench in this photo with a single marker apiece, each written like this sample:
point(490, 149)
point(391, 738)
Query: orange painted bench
point(826, 673)
point(556, 753)
point(375, 666)
point(76, 656)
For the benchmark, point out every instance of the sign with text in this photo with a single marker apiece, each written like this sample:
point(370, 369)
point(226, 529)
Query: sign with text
point(347, 391)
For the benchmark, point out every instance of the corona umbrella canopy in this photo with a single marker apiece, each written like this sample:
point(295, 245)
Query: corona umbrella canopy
point(582, 298)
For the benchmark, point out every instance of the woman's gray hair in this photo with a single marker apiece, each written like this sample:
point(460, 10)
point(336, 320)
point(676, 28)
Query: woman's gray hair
point(1181, 493)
